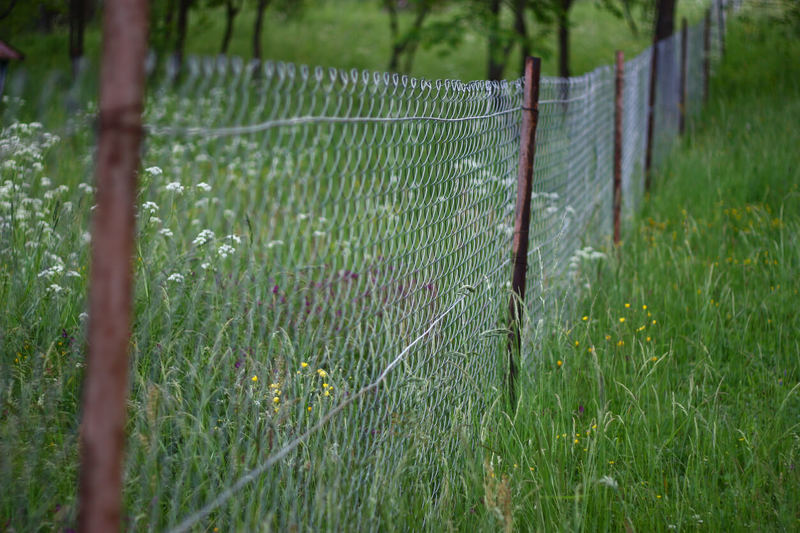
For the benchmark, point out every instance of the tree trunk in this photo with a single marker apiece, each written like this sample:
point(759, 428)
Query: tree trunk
point(563, 38)
point(169, 16)
point(522, 32)
point(394, 31)
point(665, 19)
point(230, 14)
point(77, 17)
point(495, 65)
point(262, 6)
point(180, 41)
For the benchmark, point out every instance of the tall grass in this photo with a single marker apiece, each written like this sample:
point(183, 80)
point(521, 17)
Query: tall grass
point(684, 414)
point(669, 397)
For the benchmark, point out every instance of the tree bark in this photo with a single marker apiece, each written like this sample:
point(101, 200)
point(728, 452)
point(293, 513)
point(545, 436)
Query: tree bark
point(495, 67)
point(522, 32)
point(665, 19)
point(231, 10)
point(183, 20)
point(563, 38)
point(259, 24)
point(77, 18)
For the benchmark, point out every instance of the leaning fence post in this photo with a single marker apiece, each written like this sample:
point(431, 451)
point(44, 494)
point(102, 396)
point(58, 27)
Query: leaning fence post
point(530, 116)
point(618, 88)
point(706, 54)
point(102, 432)
point(648, 157)
point(682, 88)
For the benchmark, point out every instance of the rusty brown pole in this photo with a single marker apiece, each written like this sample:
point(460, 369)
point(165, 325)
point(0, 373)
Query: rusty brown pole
point(522, 221)
point(619, 80)
point(102, 435)
point(706, 54)
point(648, 157)
point(682, 88)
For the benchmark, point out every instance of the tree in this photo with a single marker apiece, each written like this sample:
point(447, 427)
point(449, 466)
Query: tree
point(261, 7)
point(232, 8)
point(562, 10)
point(180, 38)
point(404, 45)
point(665, 18)
point(77, 22)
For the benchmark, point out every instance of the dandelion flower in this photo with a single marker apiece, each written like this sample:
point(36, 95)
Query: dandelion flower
point(254, 379)
point(627, 305)
point(585, 318)
point(559, 362)
point(622, 319)
point(303, 364)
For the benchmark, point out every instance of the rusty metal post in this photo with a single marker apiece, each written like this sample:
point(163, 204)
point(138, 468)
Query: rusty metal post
point(522, 221)
point(706, 54)
point(102, 435)
point(619, 81)
point(648, 157)
point(682, 88)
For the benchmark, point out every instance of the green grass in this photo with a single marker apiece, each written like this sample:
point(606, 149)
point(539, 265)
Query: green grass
point(686, 411)
point(687, 414)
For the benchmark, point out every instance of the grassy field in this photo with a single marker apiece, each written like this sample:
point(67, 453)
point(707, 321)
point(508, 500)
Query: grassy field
point(671, 399)
point(315, 38)
point(664, 397)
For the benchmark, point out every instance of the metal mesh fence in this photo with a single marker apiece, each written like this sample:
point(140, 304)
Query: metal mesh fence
point(323, 268)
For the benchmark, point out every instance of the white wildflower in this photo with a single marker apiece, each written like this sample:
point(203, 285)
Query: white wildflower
point(273, 244)
point(177, 278)
point(205, 266)
point(150, 207)
point(175, 187)
point(55, 289)
point(166, 232)
point(234, 238)
point(319, 233)
point(203, 186)
point(154, 171)
point(52, 271)
point(83, 316)
point(85, 187)
point(225, 250)
point(45, 181)
point(203, 237)
point(73, 274)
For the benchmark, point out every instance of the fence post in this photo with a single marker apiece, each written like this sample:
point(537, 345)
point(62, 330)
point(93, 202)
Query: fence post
point(648, 157)
point(102, 433)
point(522, 221)
point(706, 54)
point(682, 89)
point(618, 93)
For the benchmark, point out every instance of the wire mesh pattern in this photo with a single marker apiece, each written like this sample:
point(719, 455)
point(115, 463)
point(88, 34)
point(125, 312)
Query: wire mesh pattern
point(323, 273)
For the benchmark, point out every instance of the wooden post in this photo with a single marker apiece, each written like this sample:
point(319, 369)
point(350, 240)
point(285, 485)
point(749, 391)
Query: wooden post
point(102, 434)
point(706, 54)
point(619, 81)
point(522, 222)
point(682, 89)
point(648, 157)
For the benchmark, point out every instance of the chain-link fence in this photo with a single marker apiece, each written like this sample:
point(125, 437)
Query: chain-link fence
point(323, 268)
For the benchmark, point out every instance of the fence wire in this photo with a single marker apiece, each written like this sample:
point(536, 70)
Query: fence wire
point(323, 267)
